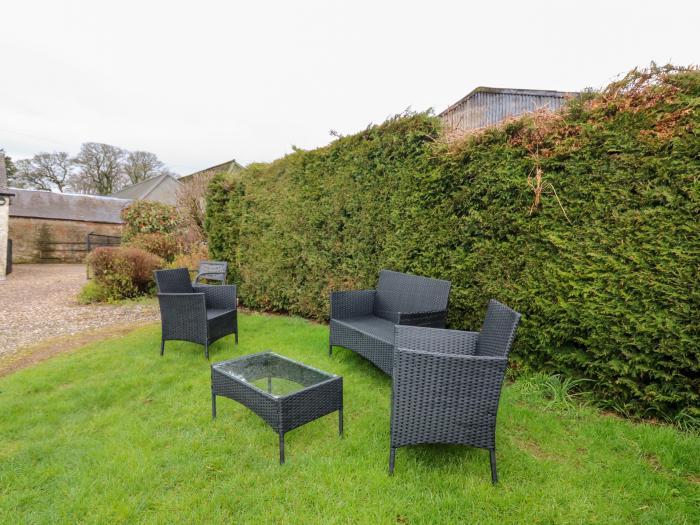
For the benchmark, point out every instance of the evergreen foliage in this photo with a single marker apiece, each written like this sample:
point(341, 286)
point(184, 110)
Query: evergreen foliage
point(586, 221)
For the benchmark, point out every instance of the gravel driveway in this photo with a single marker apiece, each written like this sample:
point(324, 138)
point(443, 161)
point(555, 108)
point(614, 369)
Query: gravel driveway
point(38, 302)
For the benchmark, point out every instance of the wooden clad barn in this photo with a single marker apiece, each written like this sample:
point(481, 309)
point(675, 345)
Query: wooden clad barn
point(486, 106)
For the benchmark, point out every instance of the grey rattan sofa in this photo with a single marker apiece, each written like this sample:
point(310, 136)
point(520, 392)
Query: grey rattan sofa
point(364, 320)
point(197, 313)
point(447, 383)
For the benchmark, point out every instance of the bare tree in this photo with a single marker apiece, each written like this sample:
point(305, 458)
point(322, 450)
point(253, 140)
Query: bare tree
point(99, 169)
point(141, 165)
point(45, 171)
point(191, 201)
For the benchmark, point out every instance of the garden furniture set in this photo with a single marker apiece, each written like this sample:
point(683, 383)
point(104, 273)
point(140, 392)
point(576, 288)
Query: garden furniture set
point(446, 384)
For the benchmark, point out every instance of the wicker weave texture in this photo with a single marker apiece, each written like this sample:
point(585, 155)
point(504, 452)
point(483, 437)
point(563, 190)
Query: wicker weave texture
point(368, 345)
point(363, 320)
point(447, 383)
point(173, 281)
point(404, 293)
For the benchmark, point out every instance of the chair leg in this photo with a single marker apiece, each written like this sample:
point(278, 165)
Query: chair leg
point(213, 404)
point(494, 475)
point(162, 346)
point(392, 457)
point(236, 337)
point(281, 448)
point(330, 348)
point(206, 350)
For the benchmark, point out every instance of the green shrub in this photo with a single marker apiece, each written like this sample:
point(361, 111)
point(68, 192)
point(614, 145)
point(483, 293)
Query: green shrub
point(123, 272)
point(93, 292)
point(149, 217)
point(162, 245)
point(586, 222)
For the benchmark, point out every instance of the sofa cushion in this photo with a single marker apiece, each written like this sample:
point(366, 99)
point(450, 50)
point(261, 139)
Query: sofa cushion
point(213, 313)
point(371, 325)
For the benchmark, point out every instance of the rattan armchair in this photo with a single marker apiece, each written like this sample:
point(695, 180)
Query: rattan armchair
point(447, 383)
point(198, 313)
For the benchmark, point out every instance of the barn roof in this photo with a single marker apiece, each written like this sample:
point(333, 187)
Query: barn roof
point(228, 167)
point(141, 190)
point(66, 206)
point(511, 91)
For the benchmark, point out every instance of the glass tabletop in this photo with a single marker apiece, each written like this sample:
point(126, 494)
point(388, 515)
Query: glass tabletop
point(272, 373)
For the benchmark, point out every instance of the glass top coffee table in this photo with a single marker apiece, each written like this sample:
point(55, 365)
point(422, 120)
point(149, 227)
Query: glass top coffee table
point(284, 393)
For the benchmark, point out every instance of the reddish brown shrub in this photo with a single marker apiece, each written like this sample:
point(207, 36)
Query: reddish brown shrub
point(124, 272)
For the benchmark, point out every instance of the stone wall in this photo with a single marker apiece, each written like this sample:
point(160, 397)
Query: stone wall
point(51, 240)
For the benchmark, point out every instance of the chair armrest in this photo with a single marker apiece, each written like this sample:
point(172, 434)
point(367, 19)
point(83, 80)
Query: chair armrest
point(438, 375)
point(223, 296)
point(183, 316)
point(437, 340)
point(204, 275)
point(352, 303)
point(435, 318)
point(178, 303)
point(436, 387)
point(454, 368)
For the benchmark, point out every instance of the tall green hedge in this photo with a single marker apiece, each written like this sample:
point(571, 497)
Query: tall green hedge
point(604, 267)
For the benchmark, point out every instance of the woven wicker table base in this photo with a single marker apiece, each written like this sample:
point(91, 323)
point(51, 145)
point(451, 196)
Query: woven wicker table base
point(284, 393)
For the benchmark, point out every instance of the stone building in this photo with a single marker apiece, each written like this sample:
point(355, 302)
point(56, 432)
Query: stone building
point(53, 227)
point(5, 199)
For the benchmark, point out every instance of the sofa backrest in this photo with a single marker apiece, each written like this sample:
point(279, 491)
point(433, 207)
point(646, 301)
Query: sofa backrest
point(498, 331)
point(402, 292)
point(173, 281)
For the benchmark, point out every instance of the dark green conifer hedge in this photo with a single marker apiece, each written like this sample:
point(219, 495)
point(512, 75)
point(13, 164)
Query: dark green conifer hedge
point(587, 222)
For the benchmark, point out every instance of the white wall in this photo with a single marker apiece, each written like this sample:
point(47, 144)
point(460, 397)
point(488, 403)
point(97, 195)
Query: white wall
point(4, 226)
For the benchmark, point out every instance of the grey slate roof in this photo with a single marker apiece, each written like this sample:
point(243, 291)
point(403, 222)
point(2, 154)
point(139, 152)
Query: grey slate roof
point(141, 190)
point(66, 206)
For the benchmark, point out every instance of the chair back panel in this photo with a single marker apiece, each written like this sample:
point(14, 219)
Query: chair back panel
point(173, 281)
point(214, 270)
point(401, 292)
point(498, 331)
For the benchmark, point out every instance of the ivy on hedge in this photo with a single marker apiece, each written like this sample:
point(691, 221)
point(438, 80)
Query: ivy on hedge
point(605, 268)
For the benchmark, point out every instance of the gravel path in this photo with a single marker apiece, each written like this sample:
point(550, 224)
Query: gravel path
point(38, 302)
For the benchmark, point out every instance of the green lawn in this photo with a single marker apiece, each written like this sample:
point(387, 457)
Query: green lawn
point(114, 433)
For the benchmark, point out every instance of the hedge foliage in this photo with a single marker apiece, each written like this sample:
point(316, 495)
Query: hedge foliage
point(587, 222)
point(149, 217)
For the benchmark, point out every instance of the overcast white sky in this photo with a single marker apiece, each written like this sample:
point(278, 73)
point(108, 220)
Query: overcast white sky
point(201, 82)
